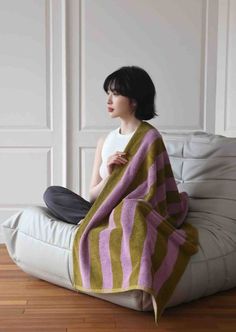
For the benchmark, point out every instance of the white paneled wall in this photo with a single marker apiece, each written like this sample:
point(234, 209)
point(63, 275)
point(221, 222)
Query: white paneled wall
point(33, 106)
point(168, 38)
point(173, 40)
point(55, 55)
point(226, 69)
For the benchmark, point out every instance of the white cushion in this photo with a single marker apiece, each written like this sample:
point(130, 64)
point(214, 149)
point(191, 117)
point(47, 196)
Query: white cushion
point(204, 165)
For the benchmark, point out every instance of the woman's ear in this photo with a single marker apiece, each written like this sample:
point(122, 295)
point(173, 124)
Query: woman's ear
point(133, 102)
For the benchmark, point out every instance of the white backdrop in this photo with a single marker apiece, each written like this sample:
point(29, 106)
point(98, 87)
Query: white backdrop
point(55, 55)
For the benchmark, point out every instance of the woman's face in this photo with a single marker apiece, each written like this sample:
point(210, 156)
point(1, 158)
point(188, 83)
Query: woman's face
point(118, 105)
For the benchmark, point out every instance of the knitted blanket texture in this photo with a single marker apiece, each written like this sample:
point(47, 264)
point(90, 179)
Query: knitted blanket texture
point(135, 235)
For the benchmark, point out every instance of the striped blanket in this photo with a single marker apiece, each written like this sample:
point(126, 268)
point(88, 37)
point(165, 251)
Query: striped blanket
point(134, 235)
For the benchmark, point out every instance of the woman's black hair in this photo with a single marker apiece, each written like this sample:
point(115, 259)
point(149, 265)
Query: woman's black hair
point(135, 83)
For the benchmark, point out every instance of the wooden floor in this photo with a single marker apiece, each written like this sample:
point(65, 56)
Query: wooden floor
point(31, 304)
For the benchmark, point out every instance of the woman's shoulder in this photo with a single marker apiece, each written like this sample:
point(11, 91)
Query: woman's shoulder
point(152, 131)
point(108, 135)
point(103, 138)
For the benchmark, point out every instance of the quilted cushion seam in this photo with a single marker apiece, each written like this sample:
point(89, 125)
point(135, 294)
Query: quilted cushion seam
point(52, 244)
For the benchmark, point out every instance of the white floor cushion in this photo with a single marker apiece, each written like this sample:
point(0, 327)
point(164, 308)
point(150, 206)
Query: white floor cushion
point(204, 166)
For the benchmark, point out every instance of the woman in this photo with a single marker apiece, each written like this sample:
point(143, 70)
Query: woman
point(131, 95)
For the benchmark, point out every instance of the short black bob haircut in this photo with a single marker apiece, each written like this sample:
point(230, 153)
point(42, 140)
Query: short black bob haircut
point(135, 83)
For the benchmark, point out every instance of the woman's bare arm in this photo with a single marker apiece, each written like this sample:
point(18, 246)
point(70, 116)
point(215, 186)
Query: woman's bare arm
point(97, 183)
point(95, 191)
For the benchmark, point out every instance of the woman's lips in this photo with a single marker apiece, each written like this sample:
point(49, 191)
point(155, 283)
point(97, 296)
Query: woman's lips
point(110, 109)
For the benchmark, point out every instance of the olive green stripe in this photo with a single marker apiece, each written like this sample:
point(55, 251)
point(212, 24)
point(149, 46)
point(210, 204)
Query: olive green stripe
point(163, 174)
point(115, 248)
point(155, 149)
point(114, 178)
point(173, 196)
point(153, 188)
point(179, 267)
point(169, 286)
point(173, 219)
point(137, 240)
point(168, 171)
point(192, 243)
point(162, 208)
point(142, 176)
point(77, 280)
point(160, 250)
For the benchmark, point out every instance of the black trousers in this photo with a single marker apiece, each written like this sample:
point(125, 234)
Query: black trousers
point(65, 204)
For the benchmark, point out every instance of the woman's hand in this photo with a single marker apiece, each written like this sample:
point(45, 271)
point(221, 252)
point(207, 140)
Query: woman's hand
point(116, 159)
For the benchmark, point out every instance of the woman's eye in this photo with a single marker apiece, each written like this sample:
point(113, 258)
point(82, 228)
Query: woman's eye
point(114, 93)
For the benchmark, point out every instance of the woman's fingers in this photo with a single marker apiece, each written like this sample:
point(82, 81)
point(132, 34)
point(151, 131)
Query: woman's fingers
point(120, 153)
point(122, 159)
point(118, 161)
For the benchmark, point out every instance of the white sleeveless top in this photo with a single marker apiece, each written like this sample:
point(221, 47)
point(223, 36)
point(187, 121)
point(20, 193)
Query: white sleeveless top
point(113, 142)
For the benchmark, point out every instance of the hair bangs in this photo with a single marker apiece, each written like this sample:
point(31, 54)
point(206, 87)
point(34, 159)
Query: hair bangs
point(116, 83)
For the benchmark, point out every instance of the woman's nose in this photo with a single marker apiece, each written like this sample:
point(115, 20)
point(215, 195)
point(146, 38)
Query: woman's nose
point(109, 99)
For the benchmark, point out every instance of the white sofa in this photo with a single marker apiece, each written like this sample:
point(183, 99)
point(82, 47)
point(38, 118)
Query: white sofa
point(204, 166)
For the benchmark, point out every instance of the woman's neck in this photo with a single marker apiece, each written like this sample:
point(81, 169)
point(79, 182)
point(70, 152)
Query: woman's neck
point(128, 127)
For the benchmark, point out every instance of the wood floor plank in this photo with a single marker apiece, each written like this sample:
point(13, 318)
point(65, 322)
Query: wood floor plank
point(31, 304)
point(29, 329)
point(12, 302)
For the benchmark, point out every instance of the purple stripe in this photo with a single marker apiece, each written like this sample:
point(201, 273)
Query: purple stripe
point(177, 207)
point(171, 184)
point(176, 239)
point(127, 221)
point(144, 187)
point(104, 252)
point(110, 202)
point(168, 185)
point(139, 191)
point(145, 274)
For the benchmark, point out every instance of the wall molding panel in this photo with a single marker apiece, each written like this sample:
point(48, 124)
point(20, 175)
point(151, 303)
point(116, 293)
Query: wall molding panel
point(226, 69)
point(33, 135)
